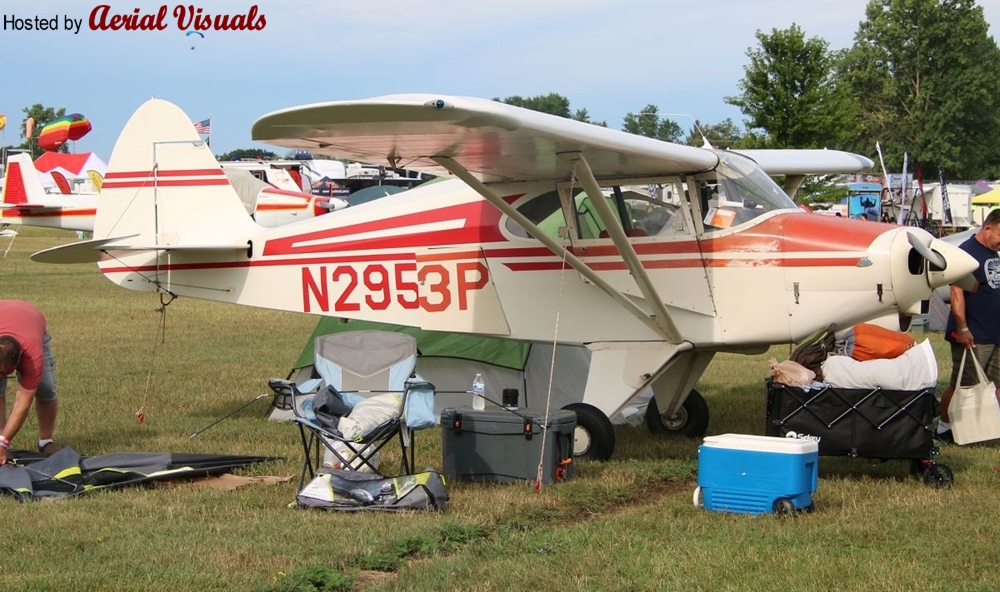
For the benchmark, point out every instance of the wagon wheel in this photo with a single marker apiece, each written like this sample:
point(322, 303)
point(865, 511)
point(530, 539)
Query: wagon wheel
point(938, 476)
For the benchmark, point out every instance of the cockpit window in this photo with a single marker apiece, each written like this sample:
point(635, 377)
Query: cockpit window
point(545, 211)
point(742, 192)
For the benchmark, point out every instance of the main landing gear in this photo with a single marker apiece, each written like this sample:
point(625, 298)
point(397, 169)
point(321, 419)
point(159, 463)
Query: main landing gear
point(691, 419)
point(594, 438)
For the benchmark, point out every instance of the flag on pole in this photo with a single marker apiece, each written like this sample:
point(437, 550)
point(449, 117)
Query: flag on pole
point(904, 210)
point(204, 129)
point(945, 202)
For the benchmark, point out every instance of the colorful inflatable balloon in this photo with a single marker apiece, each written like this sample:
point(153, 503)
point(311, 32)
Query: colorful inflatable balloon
point(3, 121)
point(56, 132)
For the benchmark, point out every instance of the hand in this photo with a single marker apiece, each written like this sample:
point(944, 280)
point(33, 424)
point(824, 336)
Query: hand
point(965, 339)
point(4, 456)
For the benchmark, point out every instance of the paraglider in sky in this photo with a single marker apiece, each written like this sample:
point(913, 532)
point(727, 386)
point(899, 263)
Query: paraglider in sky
point(198, 33)
point(56, 132)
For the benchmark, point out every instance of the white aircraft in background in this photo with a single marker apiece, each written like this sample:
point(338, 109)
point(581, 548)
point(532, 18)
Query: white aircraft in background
point(25, 202)
point(522, 243)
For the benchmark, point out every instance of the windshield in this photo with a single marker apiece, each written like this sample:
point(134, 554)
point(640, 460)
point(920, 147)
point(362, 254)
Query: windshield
point(743, 192)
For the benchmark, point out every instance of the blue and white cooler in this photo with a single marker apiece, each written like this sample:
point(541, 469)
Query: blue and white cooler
point(748, 474)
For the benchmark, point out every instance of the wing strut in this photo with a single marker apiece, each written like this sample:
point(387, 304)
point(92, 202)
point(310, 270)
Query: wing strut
point(459, 171)
point(614, 227)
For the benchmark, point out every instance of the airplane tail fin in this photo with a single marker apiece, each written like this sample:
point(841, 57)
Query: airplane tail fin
point(163, 187)
point(22, 186)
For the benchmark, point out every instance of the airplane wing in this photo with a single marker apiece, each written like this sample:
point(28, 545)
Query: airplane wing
point(808, 162)
point(493, 141)
point(498, 142)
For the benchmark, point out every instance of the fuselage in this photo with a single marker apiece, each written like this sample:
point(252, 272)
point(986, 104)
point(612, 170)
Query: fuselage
point(442, 257)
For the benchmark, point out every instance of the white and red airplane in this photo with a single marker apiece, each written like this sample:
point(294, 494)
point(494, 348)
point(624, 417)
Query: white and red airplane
point(718, 258)
point(25, 202)
point(271, 206)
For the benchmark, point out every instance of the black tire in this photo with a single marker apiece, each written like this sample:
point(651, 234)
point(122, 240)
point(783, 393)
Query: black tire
point(938, 477)
point(690, 421)
point(594, 438)
point(783, 506)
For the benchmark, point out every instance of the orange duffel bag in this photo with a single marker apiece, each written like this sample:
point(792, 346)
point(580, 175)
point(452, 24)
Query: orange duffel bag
point(872, 342)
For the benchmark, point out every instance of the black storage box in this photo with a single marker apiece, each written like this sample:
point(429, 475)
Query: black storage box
point(497, 445)
point(856, 422)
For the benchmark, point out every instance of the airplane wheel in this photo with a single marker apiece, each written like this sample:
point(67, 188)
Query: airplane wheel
point(594, 438)
point(691, 420)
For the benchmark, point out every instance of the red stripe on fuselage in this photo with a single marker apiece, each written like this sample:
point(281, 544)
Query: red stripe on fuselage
point(165, 173)
point(481, 225)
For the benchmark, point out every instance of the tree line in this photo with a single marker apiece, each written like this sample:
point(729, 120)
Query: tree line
point(920, 78)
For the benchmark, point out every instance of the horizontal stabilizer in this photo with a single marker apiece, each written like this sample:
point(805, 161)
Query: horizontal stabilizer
point(23, 206)
point(88, 251)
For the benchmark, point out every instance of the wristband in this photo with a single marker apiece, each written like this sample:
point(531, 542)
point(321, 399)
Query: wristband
point(4, 443)
point(963, 330)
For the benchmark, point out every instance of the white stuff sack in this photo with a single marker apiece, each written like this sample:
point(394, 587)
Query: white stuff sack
point(369, 414)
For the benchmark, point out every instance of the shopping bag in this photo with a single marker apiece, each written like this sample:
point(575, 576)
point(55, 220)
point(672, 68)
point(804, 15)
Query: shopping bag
point(974, 411)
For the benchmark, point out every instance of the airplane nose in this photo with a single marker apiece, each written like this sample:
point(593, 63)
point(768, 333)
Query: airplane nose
point(921, 263)
point(958, 268)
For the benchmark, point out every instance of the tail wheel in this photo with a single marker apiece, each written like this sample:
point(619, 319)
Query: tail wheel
point(594, 438)
point(691, 419)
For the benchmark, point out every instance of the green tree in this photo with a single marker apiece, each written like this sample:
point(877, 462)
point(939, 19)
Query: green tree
point(552, 103)
point(925, 75)
point(649, 123)
point(247, 153)
point(789, 93)
point(725, 134)
point(41, 115)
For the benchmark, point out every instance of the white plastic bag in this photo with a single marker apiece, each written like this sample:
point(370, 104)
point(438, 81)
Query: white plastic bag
point(974, 411)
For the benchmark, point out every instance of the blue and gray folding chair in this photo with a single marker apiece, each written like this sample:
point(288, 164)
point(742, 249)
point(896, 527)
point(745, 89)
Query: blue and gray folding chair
point(367, 396)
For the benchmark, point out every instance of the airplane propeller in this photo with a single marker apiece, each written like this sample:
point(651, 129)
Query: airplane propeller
point(938, 261)
point(933, 257)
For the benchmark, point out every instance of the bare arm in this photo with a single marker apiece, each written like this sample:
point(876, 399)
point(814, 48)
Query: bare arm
point(18, 413)
point(963, 338)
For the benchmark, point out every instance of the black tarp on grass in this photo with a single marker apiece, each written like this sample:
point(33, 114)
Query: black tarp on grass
point(66, 473)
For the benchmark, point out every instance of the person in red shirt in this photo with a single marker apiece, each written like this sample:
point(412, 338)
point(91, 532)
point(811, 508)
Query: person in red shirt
point(24, 348)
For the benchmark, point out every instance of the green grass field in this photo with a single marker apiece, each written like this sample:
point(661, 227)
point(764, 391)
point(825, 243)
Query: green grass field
point(627, 524)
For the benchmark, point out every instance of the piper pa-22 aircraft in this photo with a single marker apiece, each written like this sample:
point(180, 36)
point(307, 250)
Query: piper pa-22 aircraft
point(534, 240)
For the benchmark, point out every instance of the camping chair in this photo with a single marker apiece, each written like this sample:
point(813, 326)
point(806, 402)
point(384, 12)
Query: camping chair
point(368, 396)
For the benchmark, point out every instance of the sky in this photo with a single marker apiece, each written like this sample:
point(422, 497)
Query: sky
point(608, 57)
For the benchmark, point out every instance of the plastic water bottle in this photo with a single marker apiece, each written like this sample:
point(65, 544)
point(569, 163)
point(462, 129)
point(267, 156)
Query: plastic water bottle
point(478, 390)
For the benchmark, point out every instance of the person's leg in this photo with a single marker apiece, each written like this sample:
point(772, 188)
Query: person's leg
point(46, 405)
point(989, 358)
